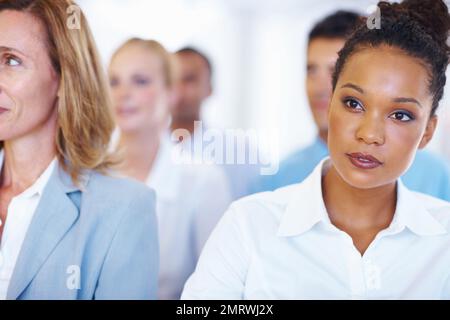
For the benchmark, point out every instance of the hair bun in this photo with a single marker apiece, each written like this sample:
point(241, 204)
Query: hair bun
point(431, 14)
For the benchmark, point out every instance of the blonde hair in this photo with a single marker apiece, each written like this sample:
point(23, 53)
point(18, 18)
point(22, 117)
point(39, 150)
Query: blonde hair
point(158, 49)
point(85, 121)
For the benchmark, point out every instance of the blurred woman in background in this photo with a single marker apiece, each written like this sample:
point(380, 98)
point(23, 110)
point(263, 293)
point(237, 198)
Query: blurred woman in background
point(190, 199)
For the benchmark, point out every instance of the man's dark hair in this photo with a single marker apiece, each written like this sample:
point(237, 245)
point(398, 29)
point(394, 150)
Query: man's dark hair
point(338, 25)
point(192, 50)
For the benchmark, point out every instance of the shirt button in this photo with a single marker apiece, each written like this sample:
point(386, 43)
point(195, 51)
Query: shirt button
point(373, 276)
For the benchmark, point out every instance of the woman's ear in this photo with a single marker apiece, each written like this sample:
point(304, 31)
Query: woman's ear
point(429, 131)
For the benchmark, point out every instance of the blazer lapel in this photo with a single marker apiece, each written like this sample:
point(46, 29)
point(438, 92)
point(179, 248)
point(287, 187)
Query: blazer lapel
point(53, 217)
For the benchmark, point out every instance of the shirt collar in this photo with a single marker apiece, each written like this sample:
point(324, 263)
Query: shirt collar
point(164, 177)
point(411, 213)
point(39, 185)
point(306, 208)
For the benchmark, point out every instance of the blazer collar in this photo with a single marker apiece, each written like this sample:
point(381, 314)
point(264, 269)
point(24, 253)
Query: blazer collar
point(54, 216)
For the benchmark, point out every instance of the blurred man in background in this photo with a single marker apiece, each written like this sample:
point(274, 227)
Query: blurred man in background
point(193, 87)
point(428, 174)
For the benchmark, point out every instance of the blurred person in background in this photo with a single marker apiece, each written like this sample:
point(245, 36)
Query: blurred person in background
point(193, 88)
point(429, 173)
point(190, 198)
point(68, 229)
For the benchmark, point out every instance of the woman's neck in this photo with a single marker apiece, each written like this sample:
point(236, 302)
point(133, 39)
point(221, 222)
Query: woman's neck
point(27, 157)
point(140, 151)
point(362, 213)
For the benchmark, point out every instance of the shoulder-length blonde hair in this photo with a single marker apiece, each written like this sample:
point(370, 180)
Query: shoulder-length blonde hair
point(85, 122)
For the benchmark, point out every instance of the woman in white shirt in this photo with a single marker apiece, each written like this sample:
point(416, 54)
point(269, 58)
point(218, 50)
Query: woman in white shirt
point(351, 230)
point(190, 199)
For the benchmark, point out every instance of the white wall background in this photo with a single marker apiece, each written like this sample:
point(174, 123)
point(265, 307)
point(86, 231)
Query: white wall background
point(258, 52)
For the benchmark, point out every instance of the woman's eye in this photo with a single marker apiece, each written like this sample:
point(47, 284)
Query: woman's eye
point(141, 81)
point(353, 104)
point(113, 82)
point(12, 61)
point(402, 116)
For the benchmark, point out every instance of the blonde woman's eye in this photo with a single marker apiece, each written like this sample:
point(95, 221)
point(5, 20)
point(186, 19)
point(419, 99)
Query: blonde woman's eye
point(113, 82)
point(12, 61)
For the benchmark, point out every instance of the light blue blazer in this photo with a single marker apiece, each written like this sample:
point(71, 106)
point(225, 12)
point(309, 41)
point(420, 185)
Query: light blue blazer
point(99, 243)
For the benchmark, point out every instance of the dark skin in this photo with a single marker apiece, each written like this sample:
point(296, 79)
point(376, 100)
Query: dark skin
point(381, 106)
point(193, 87)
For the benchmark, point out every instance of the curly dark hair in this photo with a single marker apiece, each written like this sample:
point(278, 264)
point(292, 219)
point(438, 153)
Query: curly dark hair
point(417, 27)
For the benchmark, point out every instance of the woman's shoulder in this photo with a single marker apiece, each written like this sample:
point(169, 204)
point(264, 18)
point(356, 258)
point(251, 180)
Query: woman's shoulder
point(203, 171)
point(438, 208)
point(201, 178)
point(269, 205)
point(117, 192)
point(112, 183)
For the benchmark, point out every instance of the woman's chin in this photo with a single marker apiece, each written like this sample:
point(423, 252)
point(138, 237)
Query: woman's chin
point(363, 180)
point(129, 125)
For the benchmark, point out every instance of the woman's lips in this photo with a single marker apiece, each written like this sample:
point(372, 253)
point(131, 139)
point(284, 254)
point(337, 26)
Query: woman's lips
point(3, 110)
point(125, 111)
point(363, 161)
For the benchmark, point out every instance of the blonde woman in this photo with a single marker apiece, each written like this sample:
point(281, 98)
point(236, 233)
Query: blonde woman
point(68, 231)
point(190, 199)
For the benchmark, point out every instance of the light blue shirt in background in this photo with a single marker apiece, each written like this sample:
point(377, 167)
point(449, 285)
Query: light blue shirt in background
point(428, 174)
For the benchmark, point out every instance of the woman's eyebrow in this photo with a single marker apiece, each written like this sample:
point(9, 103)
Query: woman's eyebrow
point(9, 49)
point(407, 100)
point(397, 100)
point(354, 87)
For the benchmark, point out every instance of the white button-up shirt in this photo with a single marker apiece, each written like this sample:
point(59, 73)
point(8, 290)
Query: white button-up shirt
point(190, 200)
point(282, 245)
point(20, 213)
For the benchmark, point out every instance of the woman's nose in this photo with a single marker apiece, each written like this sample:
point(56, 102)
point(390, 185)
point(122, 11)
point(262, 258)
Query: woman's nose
point(371, 130)
point(121, 92)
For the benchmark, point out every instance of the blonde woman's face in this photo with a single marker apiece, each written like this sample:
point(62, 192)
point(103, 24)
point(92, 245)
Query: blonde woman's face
point(28, 82)
point(139, 90)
